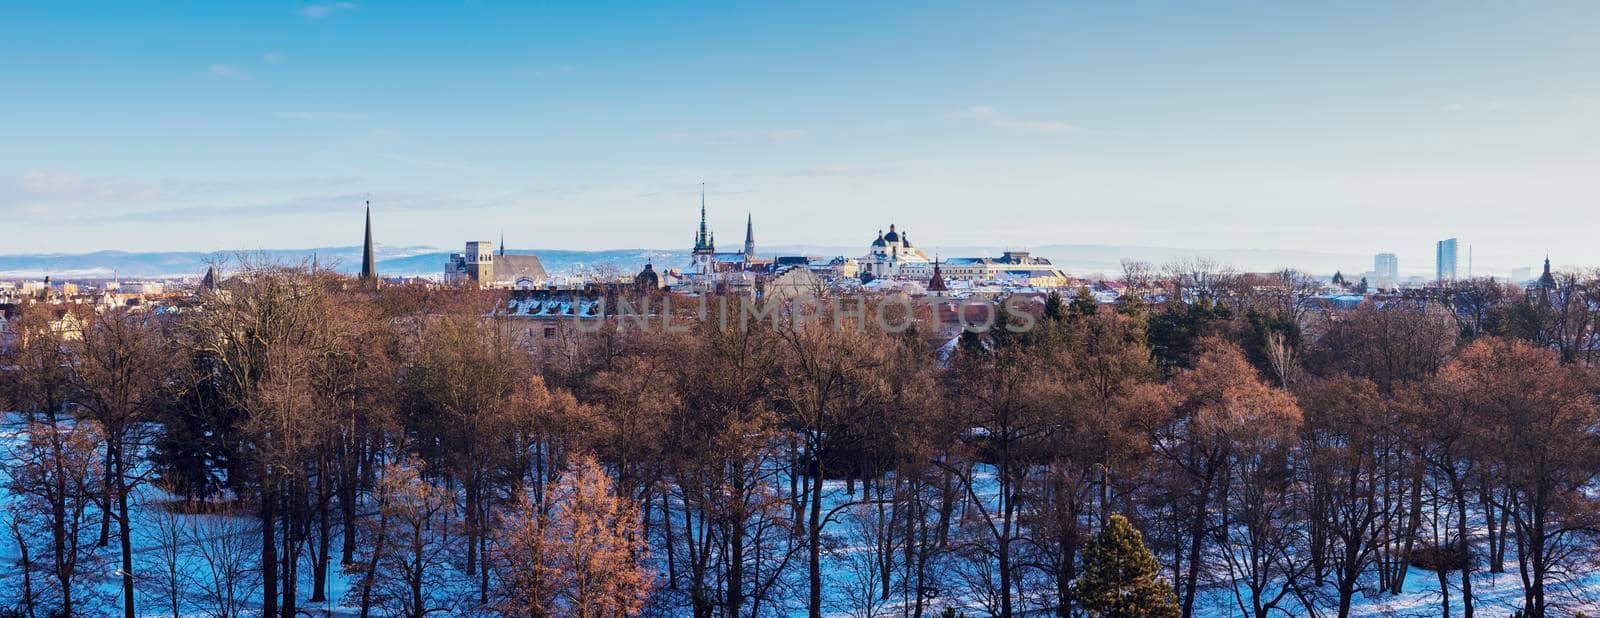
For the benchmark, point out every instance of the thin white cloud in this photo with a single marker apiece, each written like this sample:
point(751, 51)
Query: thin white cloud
point(841, 170)
point(990, 116)
point(223, 71)
point(1493, 105)
point(317, 116)
point(319, 11)
point(43, 193)
point(312, 204)
point(274, 57)
point(770, 136)
point(544, 72)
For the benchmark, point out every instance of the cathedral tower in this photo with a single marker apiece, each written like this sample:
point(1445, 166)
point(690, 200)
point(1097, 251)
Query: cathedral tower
point(369, 262)
point(705, 245)
point(749, 239)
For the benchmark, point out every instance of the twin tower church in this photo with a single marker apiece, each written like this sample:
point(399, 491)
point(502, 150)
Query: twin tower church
point(889, 255)
point(705, 260)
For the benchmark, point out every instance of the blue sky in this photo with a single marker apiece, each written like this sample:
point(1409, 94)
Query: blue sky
point(1354, 127)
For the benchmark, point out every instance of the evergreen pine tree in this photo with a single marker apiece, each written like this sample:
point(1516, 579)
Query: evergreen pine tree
point(1120, 578)
point(1131, 305)
point(971, 344)
point(1084, 304)
point(1055, 310)
point(1000, 334)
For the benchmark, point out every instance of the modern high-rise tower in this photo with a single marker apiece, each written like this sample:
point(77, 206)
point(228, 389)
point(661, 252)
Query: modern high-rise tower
point(1445, 260)
point(1386, 266)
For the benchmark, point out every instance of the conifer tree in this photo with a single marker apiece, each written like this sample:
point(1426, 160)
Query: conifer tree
point(1000, 335)
point(1119, 577)
point(1132, 305)
point(1084, 303)
point(1055, 310)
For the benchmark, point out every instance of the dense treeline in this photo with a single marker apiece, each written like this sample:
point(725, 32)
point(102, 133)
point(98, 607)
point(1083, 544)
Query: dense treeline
point(295, 439)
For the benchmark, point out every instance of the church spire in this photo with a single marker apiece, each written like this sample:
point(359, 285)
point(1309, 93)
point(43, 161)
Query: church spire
point(702, 239)
point(369, 262)
point(211, 281)
point(749, 237)
point(936, 283)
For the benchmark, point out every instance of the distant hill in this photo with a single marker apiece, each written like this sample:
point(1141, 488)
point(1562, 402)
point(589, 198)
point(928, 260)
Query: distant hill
point(556, 262)
point(414, 261)
point(406, 261)
point(128, 264)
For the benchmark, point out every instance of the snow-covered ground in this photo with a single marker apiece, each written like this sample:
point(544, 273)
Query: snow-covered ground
point(847, 563)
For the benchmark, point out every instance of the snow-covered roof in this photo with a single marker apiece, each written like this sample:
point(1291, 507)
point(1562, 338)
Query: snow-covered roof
point(534, 308)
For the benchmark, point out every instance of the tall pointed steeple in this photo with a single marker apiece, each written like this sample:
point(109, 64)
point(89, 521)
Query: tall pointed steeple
point(703, 241)
point(369, 261)
point(211, 281)
point(936, 283)
point(1547, 281)
point(749, 237)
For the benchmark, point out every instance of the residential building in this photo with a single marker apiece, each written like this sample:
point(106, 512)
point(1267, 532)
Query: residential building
point(1386, 266)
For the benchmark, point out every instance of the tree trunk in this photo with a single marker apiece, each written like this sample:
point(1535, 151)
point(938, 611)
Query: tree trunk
point(110, 477)
point(1466, 548)
point(736, 531)
point(814, 540)
point(666, 529)
point(25, 565)
point(371, 573)
point(323, 554)
point(1414, 522)
point(126, 542)
point(1197, 535)
point(269, 550)
point(1067, 568)
point(1490, 522)
point(472, 525)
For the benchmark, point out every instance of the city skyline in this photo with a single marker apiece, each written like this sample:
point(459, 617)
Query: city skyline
point(922, 309)
point(1033, 125)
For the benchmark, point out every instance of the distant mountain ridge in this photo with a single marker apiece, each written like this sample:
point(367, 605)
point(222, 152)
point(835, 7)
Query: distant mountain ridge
point(425, 261)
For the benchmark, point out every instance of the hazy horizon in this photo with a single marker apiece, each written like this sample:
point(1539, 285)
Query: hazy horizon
point(1350, 129)
point(410, 260)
